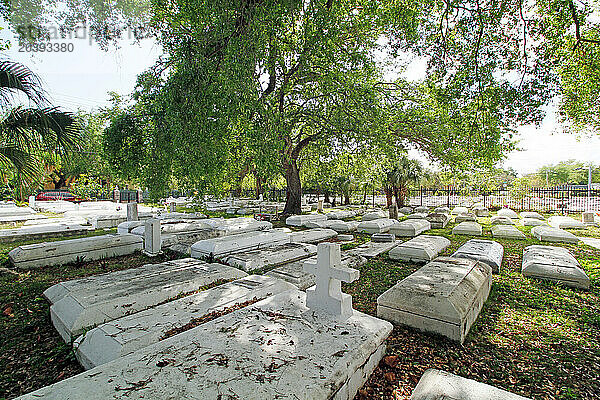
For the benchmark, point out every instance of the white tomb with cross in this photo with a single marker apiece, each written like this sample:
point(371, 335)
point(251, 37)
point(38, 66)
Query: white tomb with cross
point(326, 296)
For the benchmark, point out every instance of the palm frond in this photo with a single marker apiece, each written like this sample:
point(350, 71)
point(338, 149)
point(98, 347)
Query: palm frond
point(16, 77)
point(26, 167)
point(46, 128)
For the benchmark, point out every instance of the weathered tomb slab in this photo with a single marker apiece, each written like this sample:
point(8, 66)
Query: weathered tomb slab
point(481, 211)
point(552, 234)
point(271, 256)
point(422, 209)
point(405, 210)
point(459, 210)
point(507, 212)
point(554, 264)
point(42, 231)
point(445, 296)
point(294, 272)
point(340, 214)
point(374, 215)
point(274, 349)
point(507, 232)
point(588, 218)
point(21, 218)
point(442, 210)
point(343, 226)
point(501, 220)
point(83, 309)
point(532, 222)
point(312, 236)
point(468, 228)
point(422, 248)
point(410, 227)
point(67, 251)
point(383, 237)
point(465, 217)
point(225, 245)
point(417, 215)
point(486, 251)
point(12, 210)
point(128, 226)
point(233, 226)
point(532, 214)
point(301, 220)
point(380, 225)
point(441, 385)
point(563, 222)
point(125, 335)
point(438, 220)
point(107, 221)
point(371, 249)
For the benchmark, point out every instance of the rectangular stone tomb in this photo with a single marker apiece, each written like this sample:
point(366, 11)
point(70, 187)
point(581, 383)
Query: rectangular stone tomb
point(294, 272)
point(107, 221)
point(551, 234)
point(441, 385)
point(501, 220)
point(84, 309)
point(225, 245)
point(445, 296)
point(125, 335)
point(312, 236)
point(42, 231)
point(554, 264)
point(380, 225)
point(340, 214)
point(376, 214)
point(417, 215)
point(67, 251)
point(271, 256)
point(383, 237)
point(532, 222)
point(410, 227)
point(13, 210)
point(422, 248)
point(507, 232)
point(301, 220)
point(533, 215)
point(371, 249)
point(468, 228)
point(486, 251)
point(129, 226)
point(233, 226)
point(438, 220)
point(343, 226)
point(507, 212)
point(273, 349)
point(562, 222)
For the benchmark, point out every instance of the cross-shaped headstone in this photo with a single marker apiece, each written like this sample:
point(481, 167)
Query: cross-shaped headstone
point(326, 296)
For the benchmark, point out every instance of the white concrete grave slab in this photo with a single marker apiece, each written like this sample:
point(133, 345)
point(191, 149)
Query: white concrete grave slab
point(422, 248)
point(459, 210)
point(294, 272)
point(486, 251)
point(552, 234)
point(465, 217)
point(410, 227)
point(468, 228)
point(42, 231)
point(554, 264)
point(23, 218)
point(301, 220)
point(501, 220)
point(380, 225)
point(417, 215)
point(371, 249)
point(442, 210)
point(532, 214)
point(344, 226)
point(562, 222)
point(340, 214)
point(481, 211)
point(405, 210)
point(441, 385)
point(422, 209)
point(233, 226)
point(106, 221)
point(270, 256)
point(312, 236)
point(273, 349)
point(383, 237)
point(128, 227)
point(225, 245)
point(445, 296)
point(507, 212)
point(374, 215)
point(438, 220)
point(507, 232)
point(532, 222)
point(67, 251)
point(83, 309)
point(12, 210)
point(125, 335)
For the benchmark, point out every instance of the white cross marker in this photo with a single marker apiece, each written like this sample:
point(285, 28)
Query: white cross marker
point(327, 295)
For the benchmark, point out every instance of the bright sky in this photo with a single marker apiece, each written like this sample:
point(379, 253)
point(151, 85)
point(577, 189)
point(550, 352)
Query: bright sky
point(82, 78)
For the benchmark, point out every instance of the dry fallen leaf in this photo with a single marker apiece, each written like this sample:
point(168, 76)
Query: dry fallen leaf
point(8, 312)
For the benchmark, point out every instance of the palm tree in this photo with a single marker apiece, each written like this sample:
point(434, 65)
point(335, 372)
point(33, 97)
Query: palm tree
point(399, 178)
point(27, 132)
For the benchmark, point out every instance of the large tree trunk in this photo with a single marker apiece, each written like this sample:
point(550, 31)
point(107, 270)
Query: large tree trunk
point(388, 195)
point(259, 189)
point(293, 199)
point(346, 199)
point(327, 197)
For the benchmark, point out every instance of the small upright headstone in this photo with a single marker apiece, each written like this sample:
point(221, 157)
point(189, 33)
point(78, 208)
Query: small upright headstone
point(117, 195)
point(587, 217)
point(152, 236)
point(260, 197)
point(140, 196)
point(32, 204)
point(320, 206)
point(327, 297)
point(393, 211)
point(172, 207)
point(132, 212)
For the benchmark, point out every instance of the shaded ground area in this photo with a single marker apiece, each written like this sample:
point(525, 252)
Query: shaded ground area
point(533, 338)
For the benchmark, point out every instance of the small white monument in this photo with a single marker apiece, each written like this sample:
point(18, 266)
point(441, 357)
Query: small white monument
point(32, 201)
point(326, 296)
point(132, 212)
point(152, 236)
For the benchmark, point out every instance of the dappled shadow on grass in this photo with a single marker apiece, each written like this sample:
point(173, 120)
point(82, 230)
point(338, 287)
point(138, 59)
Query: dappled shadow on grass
point(32, 354)
point(534, 338)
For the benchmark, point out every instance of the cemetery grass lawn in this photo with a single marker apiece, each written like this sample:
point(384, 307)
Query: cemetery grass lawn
point(32, 354)
point(533, 338)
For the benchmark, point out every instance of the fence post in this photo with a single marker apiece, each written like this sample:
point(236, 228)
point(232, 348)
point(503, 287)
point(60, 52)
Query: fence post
point(448, 193)
point(421, 190)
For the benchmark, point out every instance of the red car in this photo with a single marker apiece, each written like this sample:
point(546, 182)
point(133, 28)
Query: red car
point(55, 195)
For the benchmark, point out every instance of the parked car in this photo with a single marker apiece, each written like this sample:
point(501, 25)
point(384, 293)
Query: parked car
point(58, 195)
